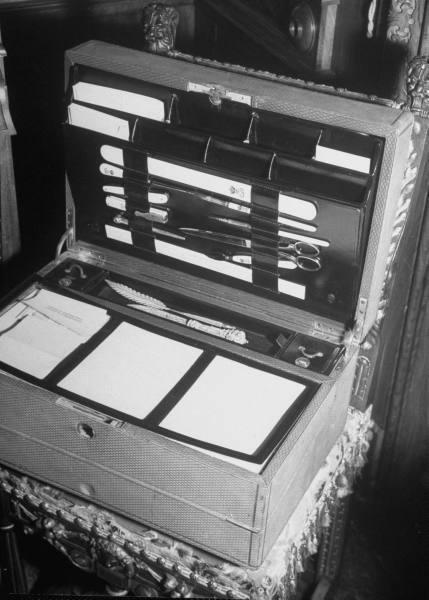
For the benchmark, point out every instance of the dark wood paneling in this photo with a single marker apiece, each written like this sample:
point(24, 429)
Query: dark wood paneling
point(263, 30)
point(36, 35)
point(401, 384)
point(405, 451)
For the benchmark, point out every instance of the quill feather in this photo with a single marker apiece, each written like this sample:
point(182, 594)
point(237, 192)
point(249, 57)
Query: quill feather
point(133, 296)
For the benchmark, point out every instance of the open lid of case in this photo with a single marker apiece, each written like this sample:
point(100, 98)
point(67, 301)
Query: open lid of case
point(245, 191)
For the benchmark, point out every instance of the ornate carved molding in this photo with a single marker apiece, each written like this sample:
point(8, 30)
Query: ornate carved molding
point(159, 26)
point(418, 86)
point(400, 21)
point(402, 211)
point(291, 81)
point(407, 35)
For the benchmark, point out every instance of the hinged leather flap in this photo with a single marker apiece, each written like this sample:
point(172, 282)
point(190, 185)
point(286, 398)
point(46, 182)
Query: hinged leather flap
point(283, 195)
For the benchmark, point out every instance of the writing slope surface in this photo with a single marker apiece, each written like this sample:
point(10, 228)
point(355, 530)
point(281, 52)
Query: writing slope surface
point(233, 406)
point(131, 370)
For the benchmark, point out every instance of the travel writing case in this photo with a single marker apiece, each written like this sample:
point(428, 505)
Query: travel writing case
point(188, 357)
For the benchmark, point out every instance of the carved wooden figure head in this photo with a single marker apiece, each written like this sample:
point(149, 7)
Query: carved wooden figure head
point(159, 25)
point(418, 86)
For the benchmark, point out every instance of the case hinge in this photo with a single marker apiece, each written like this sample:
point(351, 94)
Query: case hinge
point(85, 255)
point(217, 93)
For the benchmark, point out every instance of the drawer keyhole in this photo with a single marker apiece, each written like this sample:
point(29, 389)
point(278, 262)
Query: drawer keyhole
point(85, 431)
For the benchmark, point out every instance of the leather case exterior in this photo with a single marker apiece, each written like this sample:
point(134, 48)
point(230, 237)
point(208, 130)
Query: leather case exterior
point(207, 502)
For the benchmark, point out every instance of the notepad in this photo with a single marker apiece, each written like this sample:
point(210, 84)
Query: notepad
point(80, 317)
point(36, 334)
point(233, 406)
point(121, 100)
point(248, 465)
point(95, 120)
point(131, 370)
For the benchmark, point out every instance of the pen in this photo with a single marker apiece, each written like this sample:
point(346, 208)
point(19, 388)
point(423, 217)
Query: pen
point(144, 299)
point(231, 334)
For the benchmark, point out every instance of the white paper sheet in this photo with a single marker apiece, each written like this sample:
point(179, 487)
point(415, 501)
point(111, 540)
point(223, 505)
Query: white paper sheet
point(121, 100)
point(340, 158)
point(95, 120)
point(82, 318)
point(233, 405)
point(238, 462)
point(52, 326)
point(131, 370)
point(206, 181)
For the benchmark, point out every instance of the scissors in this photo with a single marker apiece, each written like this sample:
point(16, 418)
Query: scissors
point(306, 255)
point(303, 254)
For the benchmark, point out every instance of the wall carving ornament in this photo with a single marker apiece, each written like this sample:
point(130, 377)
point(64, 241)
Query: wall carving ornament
point(418, 86)
point(160, 23)
point(400, 21)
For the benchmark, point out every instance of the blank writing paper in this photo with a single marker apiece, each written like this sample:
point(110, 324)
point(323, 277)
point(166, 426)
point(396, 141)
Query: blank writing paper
point(34, 343)
point(233, 406)
point(41, 330)
point(95, 120)
point(131, 370)
point(129, 102)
